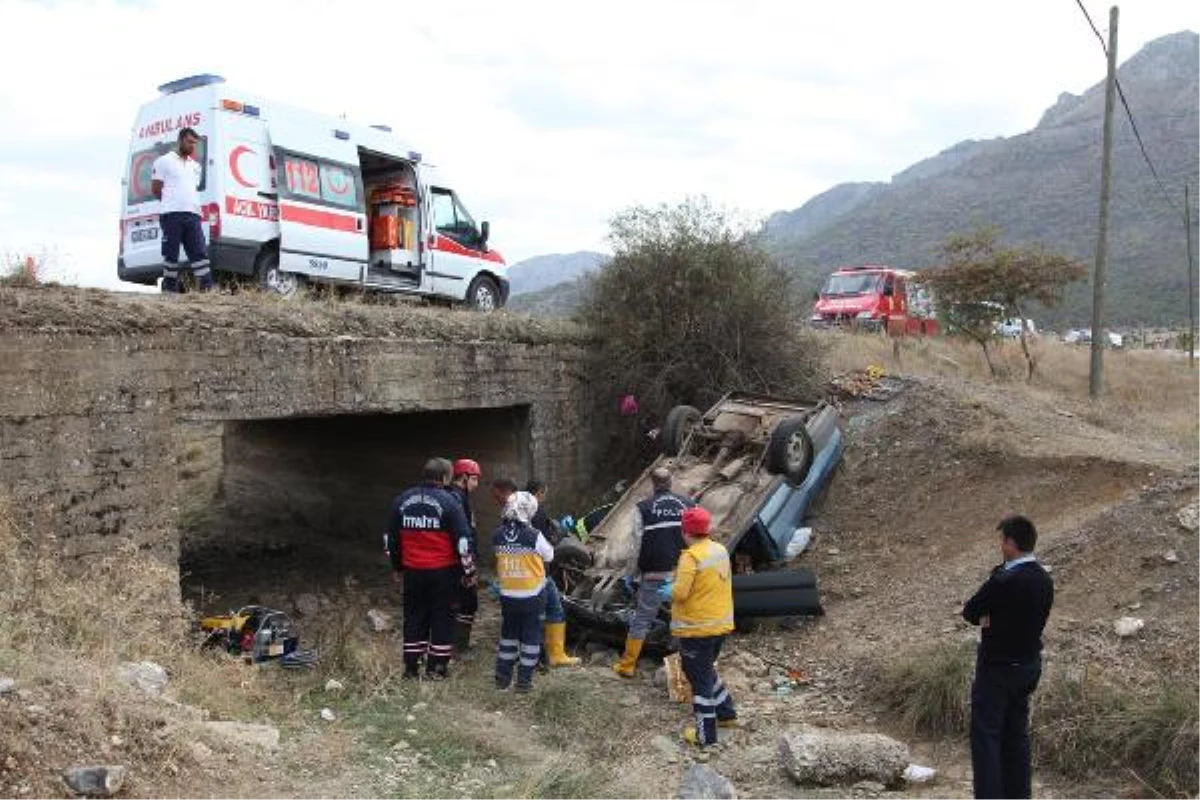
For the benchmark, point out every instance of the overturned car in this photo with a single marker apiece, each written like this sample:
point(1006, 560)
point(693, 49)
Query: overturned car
point(756, 463)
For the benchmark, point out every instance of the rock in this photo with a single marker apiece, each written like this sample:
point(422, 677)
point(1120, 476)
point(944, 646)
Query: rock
point(145, 675)
point(1189, 517)
point(420, 706)
point(491, 764)
point(815, 756)
point(868, 788)
point(915, 773)
point(401, 745)
point(379, 621)
point(201, 753)
point(665, 745)
point(7, 685)
point(37, 711)
point(264, 736)
point(701, 781)
point(1128, 626)
point(660, 679)
point(308, 605)
point(95, 781)
point(328, 715)
point(1171, 557)
point(332, 685)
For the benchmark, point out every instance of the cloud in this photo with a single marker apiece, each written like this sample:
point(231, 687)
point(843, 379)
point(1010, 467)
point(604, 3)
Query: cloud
point(549, 117)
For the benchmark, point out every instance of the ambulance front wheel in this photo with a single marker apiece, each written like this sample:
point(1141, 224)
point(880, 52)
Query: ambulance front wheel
point(272, 279)
point(483, 295)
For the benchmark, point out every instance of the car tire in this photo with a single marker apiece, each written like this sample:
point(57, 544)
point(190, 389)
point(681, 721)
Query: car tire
point(679, 423)
point(484, 295)
point(790, 450)
point(776, 594)
point(570, 552)
point(272, 280)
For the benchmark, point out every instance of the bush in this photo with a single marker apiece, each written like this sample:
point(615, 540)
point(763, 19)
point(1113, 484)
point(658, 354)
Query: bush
point(1084, 725)
point(689, 308)
point(929, 692)
point(22, 272)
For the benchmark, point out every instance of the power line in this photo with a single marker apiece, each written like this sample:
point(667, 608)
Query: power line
point(1129, 113)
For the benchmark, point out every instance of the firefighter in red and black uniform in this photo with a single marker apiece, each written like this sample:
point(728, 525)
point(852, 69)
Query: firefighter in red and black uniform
point(429, 540)
point(466, 601)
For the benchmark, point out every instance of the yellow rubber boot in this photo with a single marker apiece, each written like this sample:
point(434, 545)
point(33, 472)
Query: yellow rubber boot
point(556, 645)
point(626, 667)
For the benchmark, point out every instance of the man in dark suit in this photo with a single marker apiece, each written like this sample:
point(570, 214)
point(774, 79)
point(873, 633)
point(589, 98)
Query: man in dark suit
point(1011, 610)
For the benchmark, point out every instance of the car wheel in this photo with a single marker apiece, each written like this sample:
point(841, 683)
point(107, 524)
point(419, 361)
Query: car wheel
point(571, 553)
point(679, 423)
point(271, 279)
point(790, 450)
point(483, 295)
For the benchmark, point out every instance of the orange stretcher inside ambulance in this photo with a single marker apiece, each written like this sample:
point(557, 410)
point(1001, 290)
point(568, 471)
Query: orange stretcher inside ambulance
point(290, 196)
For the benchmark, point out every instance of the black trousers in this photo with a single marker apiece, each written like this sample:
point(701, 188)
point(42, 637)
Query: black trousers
point(711, 701)
point(521, 624)
point(1000, 756)
point(181, 228)
point(428, 621)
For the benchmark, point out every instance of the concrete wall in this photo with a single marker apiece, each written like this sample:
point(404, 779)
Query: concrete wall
point(122, 415)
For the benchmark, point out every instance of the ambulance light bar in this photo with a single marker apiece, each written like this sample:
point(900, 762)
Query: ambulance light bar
point(190, 82)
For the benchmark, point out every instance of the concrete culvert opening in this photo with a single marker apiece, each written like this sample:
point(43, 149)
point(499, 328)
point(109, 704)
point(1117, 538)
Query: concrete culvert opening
point(301, 503)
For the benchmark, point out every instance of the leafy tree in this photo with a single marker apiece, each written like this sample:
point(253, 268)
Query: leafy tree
point(689, 308)
point(981, 283)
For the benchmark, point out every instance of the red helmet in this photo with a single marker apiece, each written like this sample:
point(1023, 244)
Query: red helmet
point(465, 466)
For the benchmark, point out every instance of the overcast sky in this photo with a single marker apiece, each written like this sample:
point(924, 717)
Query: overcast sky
point(550, 116)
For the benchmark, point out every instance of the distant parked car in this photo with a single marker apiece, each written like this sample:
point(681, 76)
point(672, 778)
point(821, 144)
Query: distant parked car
point(1011, 328)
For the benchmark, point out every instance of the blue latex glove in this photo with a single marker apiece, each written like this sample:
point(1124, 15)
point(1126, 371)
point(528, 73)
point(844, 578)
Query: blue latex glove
point(630, 586)
point(493, 589)
point(665, 588)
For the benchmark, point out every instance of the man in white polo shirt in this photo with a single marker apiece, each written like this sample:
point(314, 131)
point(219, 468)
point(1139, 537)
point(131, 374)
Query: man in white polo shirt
point(175, 182)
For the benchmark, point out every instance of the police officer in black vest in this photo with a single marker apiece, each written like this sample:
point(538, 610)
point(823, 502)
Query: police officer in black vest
point(659, 538)
point(428, 539)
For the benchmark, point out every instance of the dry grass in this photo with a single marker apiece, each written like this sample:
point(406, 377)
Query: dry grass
point(1084, 724)
point(927, 691)
point(1147, 392)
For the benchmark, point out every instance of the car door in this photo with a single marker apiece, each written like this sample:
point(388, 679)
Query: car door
point(455, 248)
point(322, 212)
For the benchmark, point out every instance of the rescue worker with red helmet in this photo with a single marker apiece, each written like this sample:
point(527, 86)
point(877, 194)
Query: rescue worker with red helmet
point(466, 602)
point(429, 540)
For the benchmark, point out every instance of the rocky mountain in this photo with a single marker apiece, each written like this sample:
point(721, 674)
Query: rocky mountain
point(1039, 187)
point(1042, 186)
point(541, 272)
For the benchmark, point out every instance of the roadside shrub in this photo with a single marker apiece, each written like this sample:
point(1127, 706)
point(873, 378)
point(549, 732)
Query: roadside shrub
point(929, 691)
point(690, 308)
point(1084, 725)
point(22, 272)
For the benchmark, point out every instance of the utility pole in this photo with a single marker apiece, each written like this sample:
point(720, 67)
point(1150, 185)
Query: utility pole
point(1096, 377)
point(1187, 220)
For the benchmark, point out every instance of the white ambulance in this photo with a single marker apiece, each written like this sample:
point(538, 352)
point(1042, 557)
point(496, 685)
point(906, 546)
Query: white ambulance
point(292, 197)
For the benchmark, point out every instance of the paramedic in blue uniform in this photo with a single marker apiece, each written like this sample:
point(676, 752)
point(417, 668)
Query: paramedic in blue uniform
point(175, 181)
point(428, 539)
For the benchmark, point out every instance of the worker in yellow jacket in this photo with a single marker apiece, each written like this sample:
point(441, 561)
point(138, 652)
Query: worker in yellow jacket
point(701, 616)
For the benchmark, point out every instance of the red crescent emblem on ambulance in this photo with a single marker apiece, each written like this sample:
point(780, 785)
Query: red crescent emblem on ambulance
point(234, 155)
point(338, 183)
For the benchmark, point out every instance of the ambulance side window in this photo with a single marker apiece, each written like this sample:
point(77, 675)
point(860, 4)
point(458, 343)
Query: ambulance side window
point(451, 219)
point(141, 164)
point(317, 181)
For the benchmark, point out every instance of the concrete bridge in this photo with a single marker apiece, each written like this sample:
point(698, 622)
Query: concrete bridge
point(206, 425)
